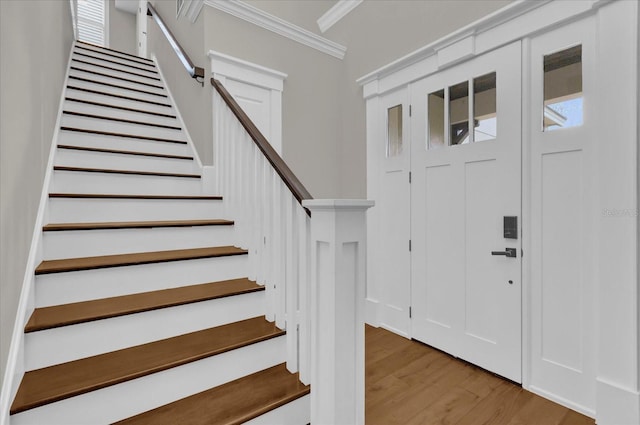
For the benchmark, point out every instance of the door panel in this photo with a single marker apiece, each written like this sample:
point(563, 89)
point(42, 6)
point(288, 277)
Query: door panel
point(392, 204)
point(564, 214)
point(467, 177)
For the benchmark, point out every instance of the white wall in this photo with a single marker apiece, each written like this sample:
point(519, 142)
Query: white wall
point(35, 40)
point(122, 29)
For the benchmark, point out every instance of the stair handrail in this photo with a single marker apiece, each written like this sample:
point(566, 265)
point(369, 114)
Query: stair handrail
point(194, 71)
point(288, 177)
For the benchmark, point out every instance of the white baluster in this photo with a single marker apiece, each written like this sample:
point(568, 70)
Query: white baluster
point(291, 281)
point(304, 342)
point(277, 259)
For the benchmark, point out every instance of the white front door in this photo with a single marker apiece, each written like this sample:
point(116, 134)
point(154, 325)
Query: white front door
point(466, 211)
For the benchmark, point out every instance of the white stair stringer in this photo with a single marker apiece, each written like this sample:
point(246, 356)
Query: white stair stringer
point(134, 184)
point(130, 398)
point(91, 243)
point(84, 285)
point(59, 345)
point(70, 157)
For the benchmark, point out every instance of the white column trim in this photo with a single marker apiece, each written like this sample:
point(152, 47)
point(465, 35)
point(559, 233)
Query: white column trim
point(265, 20)
point(337, 12)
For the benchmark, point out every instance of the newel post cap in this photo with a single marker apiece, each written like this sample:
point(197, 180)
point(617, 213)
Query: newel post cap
point(337, 204)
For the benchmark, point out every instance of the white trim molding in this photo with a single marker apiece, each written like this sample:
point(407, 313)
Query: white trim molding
point(513, 22)
point(238, 69)
point(265, 20)
point(337, 12)
point(191, 9)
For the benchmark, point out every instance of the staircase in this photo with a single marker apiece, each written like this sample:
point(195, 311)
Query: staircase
point(143, 313)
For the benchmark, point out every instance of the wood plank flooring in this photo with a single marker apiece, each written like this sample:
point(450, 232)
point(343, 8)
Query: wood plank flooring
point(410, 383)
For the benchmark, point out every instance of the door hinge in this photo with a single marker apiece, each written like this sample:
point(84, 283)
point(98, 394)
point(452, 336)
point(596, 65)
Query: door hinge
point(409, 245)
point(410, 313)
point(409, 177)
point(410, 110)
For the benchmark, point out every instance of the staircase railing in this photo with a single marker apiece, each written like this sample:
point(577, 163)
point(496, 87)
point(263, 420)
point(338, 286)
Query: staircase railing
point(312, 266)
point(195, 71)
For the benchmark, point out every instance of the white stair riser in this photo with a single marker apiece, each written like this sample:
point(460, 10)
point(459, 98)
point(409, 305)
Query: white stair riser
point(148, 72)
point(75, 210)
point(89, 243)
point(129, 398)
point(89, 182)
point(297, 412)
point(62, 288)
point(89, 159)
point(86, 108)
point(59, 345)
point(118, 91)
point(81, 47)
point(149, 66)
point(77, 138)
point(98, 124)
point(125, 81)
point(111, 100)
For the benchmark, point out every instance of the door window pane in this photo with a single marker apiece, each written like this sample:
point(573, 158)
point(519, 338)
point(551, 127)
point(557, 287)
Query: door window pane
point(436, 119)
point(394, 131)
point(484, 108)
point(459, 114)
point(563, 89)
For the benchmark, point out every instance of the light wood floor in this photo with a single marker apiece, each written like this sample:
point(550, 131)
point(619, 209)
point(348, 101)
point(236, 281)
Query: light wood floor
point(410, 383)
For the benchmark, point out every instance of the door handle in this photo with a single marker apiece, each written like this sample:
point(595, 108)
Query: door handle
point(508, 252)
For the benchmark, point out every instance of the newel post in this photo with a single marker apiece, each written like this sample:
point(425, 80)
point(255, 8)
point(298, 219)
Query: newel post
point(338, 255)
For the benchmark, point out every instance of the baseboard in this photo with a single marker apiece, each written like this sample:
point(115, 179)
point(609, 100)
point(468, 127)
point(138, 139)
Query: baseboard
point(15, 361)
point(371, 312)
point(561, 400)
point(616, 405)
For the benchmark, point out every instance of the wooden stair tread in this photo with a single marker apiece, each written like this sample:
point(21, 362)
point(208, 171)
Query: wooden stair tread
point(133, 59)
point(152, 71)
point(128, 172)
point(59, 382)
point(87, 311)
point(122, 108)
point(53, 227)
point(119, 96)
point(103, 83)
point(116, 77)
point(112, 50)
point(123, 120)
point(232, 403)
point(123, 152)
point(100, 65)
point(120, 260)
point(124, 135)
point(126, 196)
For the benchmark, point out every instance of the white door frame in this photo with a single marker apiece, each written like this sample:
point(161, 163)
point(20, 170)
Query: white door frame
point(617, 330)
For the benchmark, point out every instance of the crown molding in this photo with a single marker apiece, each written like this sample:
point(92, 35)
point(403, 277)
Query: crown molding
point(279, 26)
point(337, 12)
